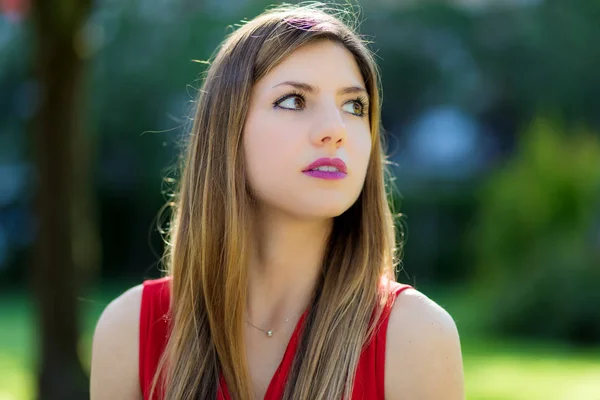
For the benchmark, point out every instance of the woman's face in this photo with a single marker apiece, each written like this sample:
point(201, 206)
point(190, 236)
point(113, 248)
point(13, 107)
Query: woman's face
point(312, 105)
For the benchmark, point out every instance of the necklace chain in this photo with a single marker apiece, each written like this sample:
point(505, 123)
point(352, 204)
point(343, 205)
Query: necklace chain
point(270, 332)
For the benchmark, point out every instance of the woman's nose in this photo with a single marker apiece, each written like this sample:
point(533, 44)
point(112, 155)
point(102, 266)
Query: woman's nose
point(330, 128)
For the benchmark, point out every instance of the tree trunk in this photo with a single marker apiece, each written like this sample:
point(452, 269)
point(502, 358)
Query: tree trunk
point(56, 130)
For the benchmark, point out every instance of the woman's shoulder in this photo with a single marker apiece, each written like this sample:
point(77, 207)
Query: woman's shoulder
point(423, 356)
point(123, 313)
point(114, 369)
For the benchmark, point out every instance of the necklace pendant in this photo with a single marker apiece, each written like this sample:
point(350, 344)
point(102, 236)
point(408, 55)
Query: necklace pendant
point(269, 333)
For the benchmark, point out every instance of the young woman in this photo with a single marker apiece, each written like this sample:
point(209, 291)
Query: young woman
point(281, 260)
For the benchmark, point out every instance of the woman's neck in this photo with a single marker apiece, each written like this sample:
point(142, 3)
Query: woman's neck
point(284, 266)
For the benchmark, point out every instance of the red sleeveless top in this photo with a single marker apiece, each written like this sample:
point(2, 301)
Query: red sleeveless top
point(154, 319)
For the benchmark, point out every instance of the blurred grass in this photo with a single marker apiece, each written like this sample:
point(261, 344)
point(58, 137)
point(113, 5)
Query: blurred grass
point(495, 368)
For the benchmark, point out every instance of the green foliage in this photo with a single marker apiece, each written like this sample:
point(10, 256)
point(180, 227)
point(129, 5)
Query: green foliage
point(537, 237)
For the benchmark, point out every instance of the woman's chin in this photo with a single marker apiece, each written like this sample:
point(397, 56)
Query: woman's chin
point(326, 209)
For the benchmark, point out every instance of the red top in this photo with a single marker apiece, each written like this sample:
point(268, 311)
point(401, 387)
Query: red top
point(368, 382)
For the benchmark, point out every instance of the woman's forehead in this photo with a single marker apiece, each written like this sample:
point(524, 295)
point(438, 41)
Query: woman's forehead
point(322, 65)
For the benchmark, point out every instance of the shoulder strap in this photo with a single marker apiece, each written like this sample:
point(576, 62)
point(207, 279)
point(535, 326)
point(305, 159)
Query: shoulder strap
point(154, 328)
point(380, 340)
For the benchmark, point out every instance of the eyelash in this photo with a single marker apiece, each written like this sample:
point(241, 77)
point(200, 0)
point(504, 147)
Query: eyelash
point(362, 100)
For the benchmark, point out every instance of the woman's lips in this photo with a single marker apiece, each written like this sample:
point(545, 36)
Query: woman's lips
point(327, 162)
point(330, 175)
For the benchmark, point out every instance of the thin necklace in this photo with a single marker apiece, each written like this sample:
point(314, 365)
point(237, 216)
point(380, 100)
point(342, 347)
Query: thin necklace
point(270, 332)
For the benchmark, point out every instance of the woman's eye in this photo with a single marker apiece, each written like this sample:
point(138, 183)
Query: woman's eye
point(296, 102)
point(354, 107)
point(292, 103)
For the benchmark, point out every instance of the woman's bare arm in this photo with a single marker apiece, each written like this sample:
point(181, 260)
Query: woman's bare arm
point(114, 371)
point(423, 355)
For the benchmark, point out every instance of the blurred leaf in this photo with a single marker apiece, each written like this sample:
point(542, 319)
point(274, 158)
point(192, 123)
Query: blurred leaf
point(535, 234)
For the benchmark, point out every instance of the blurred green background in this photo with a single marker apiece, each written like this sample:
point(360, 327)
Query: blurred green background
point(492, 119)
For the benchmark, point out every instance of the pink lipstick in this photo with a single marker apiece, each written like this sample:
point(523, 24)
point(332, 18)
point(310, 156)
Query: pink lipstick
point(327, 168)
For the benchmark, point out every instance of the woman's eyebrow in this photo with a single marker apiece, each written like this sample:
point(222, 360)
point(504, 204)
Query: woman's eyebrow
point(311, 89)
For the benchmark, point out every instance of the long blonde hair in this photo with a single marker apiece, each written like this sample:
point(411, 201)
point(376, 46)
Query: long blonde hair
point(209, 237)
